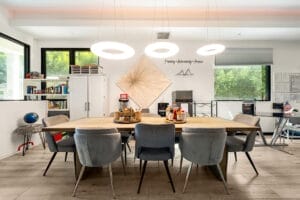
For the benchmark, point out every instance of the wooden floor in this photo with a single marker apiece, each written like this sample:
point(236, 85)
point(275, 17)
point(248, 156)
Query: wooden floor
point(21, 178)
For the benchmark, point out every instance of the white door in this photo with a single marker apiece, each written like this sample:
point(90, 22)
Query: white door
point(96, 95)
point(78, 89)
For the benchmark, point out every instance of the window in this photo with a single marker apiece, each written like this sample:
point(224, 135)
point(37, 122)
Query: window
point(14, 63)
point(56, 61)
point(242, 82)
point(85, 58)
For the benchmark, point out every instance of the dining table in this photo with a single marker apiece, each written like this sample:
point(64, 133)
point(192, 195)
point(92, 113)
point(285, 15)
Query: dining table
point(196, 122)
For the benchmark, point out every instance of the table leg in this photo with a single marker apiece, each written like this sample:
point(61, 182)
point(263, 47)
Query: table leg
point(278, 130)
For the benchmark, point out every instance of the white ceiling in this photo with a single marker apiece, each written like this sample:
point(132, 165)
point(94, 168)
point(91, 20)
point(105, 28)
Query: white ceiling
point(141, 19)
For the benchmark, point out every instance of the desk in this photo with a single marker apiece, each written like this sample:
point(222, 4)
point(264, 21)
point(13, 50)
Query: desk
point(200, 122)
point(282, 120)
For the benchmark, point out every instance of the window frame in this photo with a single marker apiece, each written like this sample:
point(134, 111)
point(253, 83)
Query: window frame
point(268, 84)
point(71, 56)
point(26, 58)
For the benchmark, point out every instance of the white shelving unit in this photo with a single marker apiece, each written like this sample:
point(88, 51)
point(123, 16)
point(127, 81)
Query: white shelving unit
point(55, 91)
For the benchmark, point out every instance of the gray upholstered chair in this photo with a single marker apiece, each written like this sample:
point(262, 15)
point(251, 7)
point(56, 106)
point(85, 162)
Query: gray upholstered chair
point(96, 148)
point(64, 145)
point(150, 115)
point(236, 144)
point(154, 142)
point(203, 146)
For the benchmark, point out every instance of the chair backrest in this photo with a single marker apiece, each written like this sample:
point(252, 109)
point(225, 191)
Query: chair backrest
point(247, 119)
point(49, 121)
point(252, 121)
point(97, 147)
point(154, 136)
point(145, 110)
point(204, 146)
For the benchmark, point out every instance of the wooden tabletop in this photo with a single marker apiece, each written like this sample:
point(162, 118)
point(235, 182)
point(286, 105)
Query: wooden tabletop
point(107, 122)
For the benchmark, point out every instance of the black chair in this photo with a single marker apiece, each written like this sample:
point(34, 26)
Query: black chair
point(154, 142)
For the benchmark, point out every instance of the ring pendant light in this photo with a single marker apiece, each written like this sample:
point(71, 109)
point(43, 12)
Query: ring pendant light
point(161, 49)
point(210, 49)
point(112, 50)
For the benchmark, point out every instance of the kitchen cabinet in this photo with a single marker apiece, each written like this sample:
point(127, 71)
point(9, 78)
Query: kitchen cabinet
point(88, 95)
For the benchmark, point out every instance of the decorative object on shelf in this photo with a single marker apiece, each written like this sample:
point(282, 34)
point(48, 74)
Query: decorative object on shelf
point(86, 69)
point(127, 116)
point(31, 117)
point(34, 75)
point(185, 73)
point(144, 83)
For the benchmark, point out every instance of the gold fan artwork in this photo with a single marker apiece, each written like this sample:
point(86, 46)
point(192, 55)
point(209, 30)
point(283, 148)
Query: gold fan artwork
point(144, 83)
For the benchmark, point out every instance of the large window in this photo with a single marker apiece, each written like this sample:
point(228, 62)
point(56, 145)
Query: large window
point(14, 62)
point(56, 62)
point(244, 82)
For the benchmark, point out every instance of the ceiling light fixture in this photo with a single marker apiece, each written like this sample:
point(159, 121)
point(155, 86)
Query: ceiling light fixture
point(111, 49)
point(161, 49)
point(210, 49)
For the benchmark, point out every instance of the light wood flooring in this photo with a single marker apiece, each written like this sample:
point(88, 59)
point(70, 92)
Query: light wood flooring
point(21, 178)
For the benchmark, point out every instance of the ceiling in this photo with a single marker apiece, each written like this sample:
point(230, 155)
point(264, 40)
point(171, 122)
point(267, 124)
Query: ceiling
point(141, 19)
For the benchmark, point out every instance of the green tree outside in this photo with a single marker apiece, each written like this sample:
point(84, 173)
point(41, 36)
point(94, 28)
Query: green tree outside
point(241, 82)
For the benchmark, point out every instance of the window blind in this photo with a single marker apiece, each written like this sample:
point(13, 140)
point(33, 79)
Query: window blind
point(245, 56)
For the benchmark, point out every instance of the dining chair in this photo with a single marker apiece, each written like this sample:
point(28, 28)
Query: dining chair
point(64, 145)
point(236, 144)
point(96, 148)
point(154, 142)
point(125, 137)
point(203, 146)
point(246, 119)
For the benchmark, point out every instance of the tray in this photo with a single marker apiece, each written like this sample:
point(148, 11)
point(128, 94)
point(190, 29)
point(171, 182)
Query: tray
point(176, 121)
point(126, 122)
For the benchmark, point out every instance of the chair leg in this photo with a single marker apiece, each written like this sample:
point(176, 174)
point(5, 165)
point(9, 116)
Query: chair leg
point(140, 166)
point(249, 158)
point(74, 160)
point(142, 176)
point(50, 162)
point(222, 177)
point(180, 165)
point(169, 175)
point(111, 180)
point(129, 148)
point(235, 156)
point(123, 164)
point(125, 153)
point(78, 180)
point(66, 156)
point(187, 177)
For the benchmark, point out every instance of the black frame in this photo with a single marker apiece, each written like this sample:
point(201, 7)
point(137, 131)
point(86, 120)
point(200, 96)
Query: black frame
point(268, 86)
point(26, 51)
point(71, 56)
point(26, 56)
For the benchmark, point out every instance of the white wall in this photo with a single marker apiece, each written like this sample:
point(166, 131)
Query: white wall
point(12, 112)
